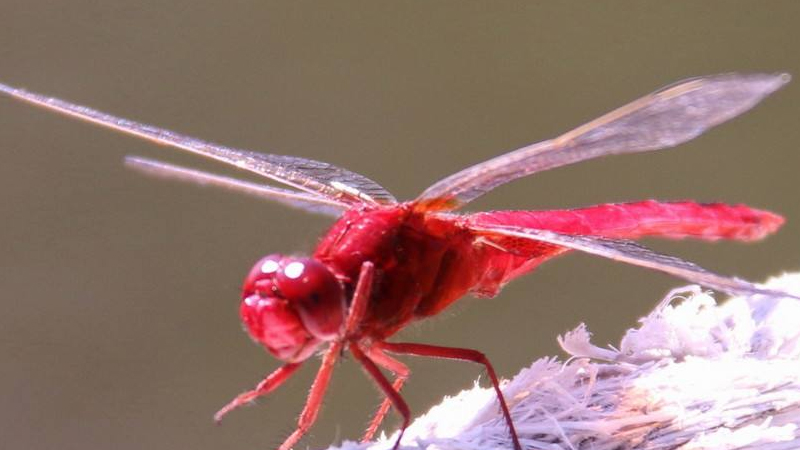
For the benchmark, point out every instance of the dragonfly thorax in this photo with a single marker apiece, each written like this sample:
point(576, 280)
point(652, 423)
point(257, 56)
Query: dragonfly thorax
point(291, 305)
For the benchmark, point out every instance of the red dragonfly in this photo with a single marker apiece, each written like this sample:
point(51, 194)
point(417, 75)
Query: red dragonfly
point(384, 264)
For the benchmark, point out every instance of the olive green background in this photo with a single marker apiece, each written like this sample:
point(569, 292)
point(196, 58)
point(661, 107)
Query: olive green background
point(118, 317)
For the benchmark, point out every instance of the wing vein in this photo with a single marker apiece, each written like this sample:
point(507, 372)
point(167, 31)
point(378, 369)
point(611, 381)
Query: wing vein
point(315, 177)
point(631, 253)
point(661, 120)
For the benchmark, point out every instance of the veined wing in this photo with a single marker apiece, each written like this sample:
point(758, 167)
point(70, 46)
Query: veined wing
point(663, 119)
point(314, 177)
point(632, 253)
point(301, 200)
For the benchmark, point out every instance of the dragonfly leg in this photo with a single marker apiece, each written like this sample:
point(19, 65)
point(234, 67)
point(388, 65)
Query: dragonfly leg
point(388, 389)
point(401, 373)
point(461, 354)
point(267, 385)
point(358, 306)
point(315, 395)
point(314, 399)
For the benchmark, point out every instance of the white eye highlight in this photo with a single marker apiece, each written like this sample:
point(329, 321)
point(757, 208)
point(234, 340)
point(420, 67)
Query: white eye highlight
point(294, 270)
point(269, 267)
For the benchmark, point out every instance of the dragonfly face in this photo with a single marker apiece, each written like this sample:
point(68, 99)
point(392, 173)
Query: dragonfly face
point(291, 305)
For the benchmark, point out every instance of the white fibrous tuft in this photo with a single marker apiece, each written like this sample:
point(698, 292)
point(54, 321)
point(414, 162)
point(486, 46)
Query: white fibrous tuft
point(694, 375)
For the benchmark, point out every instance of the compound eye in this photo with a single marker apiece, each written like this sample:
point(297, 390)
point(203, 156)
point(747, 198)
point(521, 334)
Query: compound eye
point(259, 280)
point(315, 294)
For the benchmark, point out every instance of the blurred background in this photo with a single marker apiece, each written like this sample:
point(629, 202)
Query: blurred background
point(119, 319)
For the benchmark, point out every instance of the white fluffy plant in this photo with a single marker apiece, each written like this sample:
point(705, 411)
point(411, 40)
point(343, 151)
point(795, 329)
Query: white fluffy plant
point(695, 375)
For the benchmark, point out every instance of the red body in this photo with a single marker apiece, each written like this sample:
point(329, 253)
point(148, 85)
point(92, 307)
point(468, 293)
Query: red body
point(425, 261)
point(384, 264)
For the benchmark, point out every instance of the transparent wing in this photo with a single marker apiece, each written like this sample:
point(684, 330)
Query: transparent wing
point(631, 253)
point(663, 119)
point(294, 199)
point(314, 177)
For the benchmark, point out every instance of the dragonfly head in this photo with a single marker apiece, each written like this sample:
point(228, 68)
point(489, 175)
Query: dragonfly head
point(291, 305)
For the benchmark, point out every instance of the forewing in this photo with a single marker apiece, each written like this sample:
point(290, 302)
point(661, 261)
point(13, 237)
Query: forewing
point(300, 200)
point(663, 119)
point(631, 253)
point(314, 177)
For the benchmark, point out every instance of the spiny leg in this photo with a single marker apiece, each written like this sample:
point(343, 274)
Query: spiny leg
point(267, 385)
point(314, 400)
point(401, 372)
point(462, 354)
point(387, 388)
point(358, 306)
point(315, 395)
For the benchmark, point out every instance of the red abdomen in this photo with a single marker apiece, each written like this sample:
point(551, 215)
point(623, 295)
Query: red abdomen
point(673, 220)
